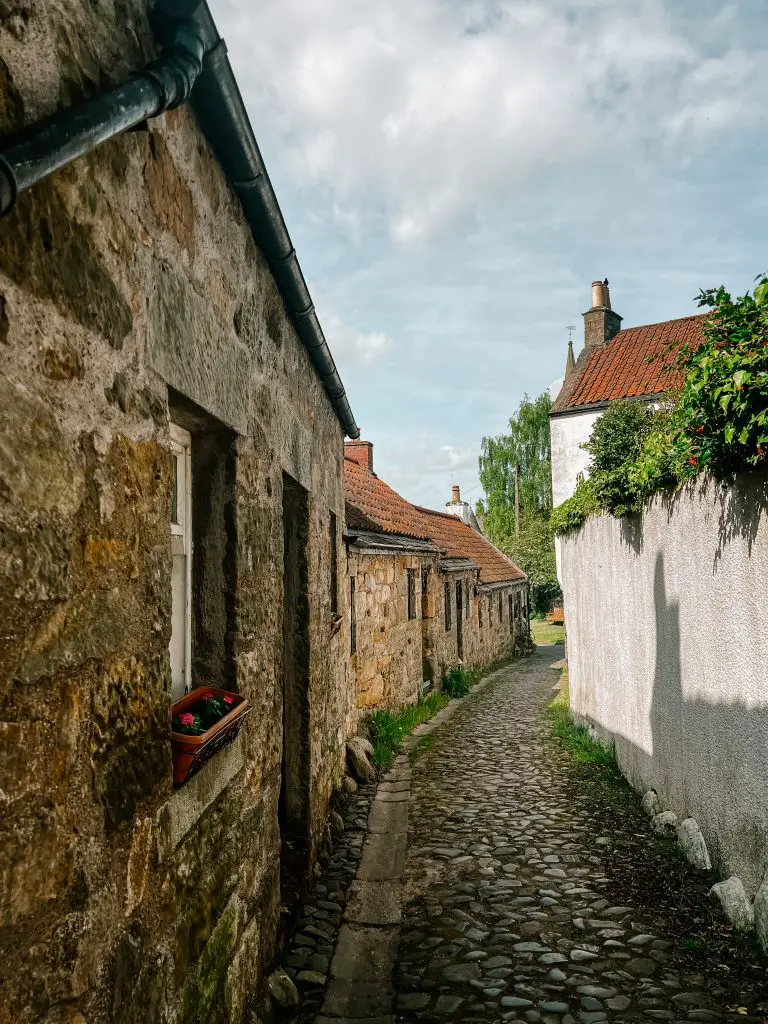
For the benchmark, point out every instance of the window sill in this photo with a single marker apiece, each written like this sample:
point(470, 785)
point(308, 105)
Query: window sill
point(186, 805)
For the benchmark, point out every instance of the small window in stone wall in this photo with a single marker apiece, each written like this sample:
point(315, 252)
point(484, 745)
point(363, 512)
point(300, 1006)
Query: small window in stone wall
point(501, 608)
point(333, 539)
point(411, 593)
point(181, 548)
point(467, 600)
point(480, 612)
point(426, 611)
point(447, 603)
point(352, 617)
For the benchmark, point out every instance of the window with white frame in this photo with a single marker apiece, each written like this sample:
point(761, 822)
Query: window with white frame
point(181, 548)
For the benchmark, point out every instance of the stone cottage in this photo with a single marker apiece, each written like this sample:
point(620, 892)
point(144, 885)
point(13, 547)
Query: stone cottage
point(482, 597)
point(391, 573)
point(427, 592)
point(171, 514)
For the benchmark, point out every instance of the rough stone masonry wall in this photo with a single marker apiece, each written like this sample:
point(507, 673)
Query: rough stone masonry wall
point(495, 639)
point(667, 618)
point(481, 644)
point(122, 900)
point(386, 670)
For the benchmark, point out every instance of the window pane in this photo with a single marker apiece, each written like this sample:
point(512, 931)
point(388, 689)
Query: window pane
point(175, 491)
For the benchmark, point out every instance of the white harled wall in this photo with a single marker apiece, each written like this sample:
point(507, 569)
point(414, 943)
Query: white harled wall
point(667, 618)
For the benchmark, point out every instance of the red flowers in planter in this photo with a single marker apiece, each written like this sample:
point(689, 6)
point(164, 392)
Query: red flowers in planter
point(203, 722)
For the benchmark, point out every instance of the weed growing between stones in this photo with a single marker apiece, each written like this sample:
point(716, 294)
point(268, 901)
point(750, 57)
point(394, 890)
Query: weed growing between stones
point(458, 682)
point(387, 730)
point(583, 747)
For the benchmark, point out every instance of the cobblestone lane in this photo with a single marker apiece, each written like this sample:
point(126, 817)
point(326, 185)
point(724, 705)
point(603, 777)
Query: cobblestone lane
point(505, 913)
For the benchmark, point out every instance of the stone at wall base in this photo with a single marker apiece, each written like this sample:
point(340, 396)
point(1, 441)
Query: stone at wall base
point(761, 915)
point(651, 803)
point(665, 823)
point(350, 786)
point(692, 844)
point(283, 991)
point(735, 903)
point(357, 760)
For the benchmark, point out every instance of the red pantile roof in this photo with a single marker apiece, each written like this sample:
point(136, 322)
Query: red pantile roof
point(372, 505)
point(375, 502)
point(636, 362)
point(460, 541)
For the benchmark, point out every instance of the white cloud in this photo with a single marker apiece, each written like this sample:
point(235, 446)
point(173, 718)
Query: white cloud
point(353, 347)
point(433, 110)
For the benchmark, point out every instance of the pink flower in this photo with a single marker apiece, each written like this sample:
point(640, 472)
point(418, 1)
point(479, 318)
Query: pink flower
point(187, 718)
point(228, 700)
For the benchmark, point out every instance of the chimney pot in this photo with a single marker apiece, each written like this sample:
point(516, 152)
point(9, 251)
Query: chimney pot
point(600, 322)
point(456, 494)
point(360, 452)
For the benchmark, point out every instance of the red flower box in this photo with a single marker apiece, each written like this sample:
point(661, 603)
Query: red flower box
point(191, 752)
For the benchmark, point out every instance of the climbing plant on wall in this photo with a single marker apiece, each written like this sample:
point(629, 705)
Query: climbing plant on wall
point(718, 421)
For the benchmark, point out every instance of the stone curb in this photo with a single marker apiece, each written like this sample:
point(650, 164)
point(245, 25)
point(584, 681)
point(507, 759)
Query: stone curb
point(361, 987)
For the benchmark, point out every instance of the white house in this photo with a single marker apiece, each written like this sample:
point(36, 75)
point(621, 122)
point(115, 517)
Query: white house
point(637, 362)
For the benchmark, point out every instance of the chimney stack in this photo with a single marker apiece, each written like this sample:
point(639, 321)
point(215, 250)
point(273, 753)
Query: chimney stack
point(360, 452)
point(600, 322)
point(456, 494)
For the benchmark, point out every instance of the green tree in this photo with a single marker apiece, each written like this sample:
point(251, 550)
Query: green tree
point(526, 445)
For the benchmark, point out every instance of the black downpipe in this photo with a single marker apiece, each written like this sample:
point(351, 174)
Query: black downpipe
point(60, 139)
point(194, 63)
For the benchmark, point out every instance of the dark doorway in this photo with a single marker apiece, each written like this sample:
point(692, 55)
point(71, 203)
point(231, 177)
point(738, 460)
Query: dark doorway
point(294, 784)
point(459, 621)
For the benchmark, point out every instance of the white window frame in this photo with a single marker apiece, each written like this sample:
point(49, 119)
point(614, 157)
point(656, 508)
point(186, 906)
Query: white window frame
point(181, 532)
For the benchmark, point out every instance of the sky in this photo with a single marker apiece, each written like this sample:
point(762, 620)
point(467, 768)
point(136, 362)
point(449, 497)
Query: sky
point(455, 173)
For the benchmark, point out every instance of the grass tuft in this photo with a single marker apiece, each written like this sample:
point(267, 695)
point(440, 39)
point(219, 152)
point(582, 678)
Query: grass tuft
point(544, 632)
point(577, 739)
point(387, 730)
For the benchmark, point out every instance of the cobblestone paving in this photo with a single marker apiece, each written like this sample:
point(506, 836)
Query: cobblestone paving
point(506, 915)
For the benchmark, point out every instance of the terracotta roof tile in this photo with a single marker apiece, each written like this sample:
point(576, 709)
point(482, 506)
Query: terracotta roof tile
point(460, 541)
point(638, 361)
point(376, 503)
point(372, 505)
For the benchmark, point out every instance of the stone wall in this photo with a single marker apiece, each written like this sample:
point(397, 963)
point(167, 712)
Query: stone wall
point(393, 655)
point(486, 634)
point(387, 669)
point(130, 285)
point(667, 619)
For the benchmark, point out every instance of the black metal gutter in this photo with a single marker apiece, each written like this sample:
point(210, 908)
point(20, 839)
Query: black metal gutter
point(194, 65)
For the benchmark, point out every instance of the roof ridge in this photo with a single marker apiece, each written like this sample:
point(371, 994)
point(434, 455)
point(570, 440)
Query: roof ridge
point(443, 515)
point(660, 323)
